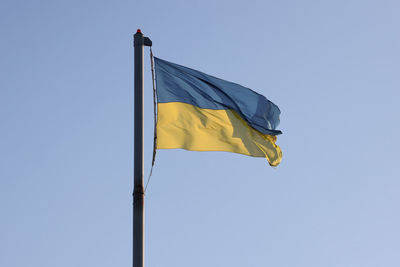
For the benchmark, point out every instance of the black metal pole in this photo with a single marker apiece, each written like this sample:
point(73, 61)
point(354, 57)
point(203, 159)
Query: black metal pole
point(138, 190)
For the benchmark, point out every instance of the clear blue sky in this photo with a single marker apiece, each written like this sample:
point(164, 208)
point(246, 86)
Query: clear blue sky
point(66, 135)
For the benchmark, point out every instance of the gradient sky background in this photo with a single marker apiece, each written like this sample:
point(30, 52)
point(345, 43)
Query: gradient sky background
point(66, 135)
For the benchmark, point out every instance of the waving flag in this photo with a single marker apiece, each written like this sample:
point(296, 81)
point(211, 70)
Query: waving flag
point(200, 112)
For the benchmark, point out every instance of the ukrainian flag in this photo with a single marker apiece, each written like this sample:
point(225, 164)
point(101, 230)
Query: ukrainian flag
point(199, 112)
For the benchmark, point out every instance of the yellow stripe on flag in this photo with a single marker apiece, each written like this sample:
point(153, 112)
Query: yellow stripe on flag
point(185, 126)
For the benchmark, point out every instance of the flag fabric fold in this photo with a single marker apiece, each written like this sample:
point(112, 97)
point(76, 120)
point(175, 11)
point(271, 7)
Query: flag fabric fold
point(200, 112)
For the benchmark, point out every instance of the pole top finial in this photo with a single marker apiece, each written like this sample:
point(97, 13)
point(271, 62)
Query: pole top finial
point(138, 31)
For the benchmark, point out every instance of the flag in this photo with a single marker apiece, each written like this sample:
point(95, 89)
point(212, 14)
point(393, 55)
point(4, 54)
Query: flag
point(199, 112)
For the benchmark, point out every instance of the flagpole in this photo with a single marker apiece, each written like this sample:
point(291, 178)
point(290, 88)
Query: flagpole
point(138, 189)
